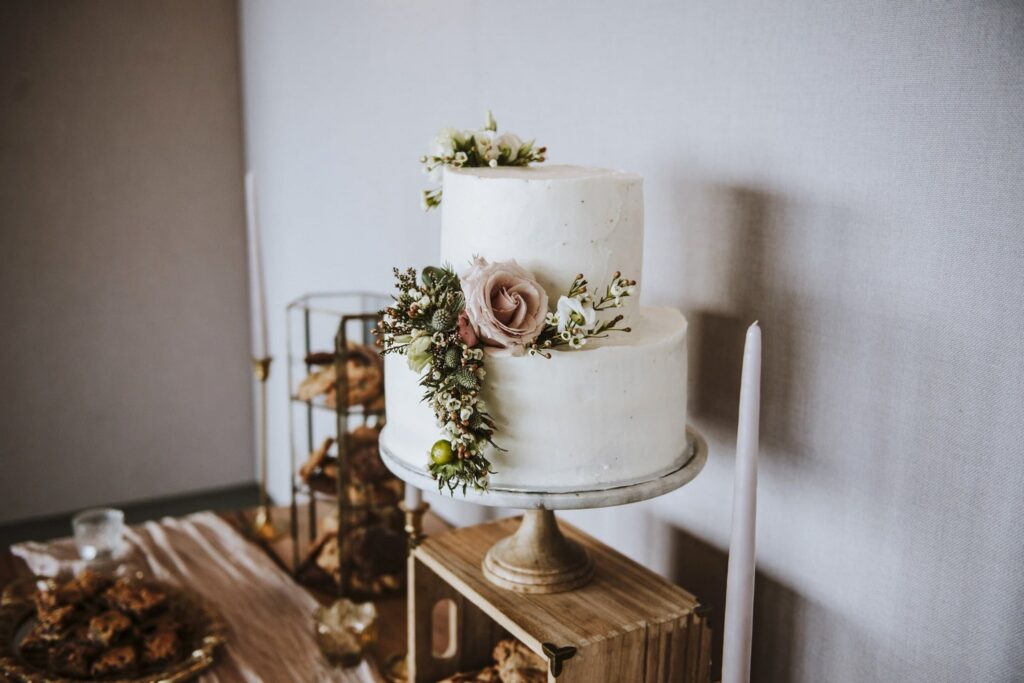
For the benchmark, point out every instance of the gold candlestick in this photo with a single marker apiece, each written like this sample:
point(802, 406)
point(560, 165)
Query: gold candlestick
point(414, 522)
point(263, 526)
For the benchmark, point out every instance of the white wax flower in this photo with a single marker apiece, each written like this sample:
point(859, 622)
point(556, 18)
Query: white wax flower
point(445, 142)
point(568, 306)
point(510, 143)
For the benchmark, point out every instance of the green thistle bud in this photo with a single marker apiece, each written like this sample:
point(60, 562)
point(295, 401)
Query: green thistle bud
point(466, 379)
point(451, 357)
point(442, 320)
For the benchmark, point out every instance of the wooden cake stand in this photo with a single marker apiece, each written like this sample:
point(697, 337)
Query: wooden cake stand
point(538, 558)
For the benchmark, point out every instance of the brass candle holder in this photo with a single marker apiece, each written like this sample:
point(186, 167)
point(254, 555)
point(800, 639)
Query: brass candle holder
point(263, 525)
point(414, 522)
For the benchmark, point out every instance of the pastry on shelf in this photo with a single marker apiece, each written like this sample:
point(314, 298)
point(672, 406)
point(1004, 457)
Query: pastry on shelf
point(316, 460)
point(488, 675)
point(514, 663)
point(518, 663)
point(372, 555)
point(365, 372)
point(370, 482)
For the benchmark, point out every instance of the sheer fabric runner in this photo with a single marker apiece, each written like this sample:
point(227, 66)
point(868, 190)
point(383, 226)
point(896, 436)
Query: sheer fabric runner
point(269, 617)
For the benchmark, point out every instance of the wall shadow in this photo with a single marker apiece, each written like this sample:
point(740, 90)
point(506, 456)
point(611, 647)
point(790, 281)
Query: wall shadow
point(701, 569)
point(744, 275)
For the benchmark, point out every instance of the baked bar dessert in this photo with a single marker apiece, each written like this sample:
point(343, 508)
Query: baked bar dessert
point(86, 585)
point(117, 660)
point(106, 628)
point(54, 623)
point(136, 599)
point(160, 647)
point(71, 659)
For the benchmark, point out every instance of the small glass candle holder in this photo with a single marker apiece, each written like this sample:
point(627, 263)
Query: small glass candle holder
point(99, 533)
point(344, 630)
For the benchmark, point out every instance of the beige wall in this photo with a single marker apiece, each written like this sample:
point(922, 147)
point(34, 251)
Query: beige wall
point(123, 302)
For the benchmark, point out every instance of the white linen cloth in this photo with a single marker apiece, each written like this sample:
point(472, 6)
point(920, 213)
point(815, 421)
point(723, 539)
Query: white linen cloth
point(269, 635)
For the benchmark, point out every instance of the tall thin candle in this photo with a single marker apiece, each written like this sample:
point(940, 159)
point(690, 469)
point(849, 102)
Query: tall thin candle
point(413, 497)
point(256, 279)
point(739, 599)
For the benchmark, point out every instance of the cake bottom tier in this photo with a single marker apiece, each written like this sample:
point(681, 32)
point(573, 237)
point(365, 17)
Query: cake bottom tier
point(611, 413)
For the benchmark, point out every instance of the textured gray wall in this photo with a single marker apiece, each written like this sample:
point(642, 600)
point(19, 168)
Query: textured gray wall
point(849, 173)
point(123, 302)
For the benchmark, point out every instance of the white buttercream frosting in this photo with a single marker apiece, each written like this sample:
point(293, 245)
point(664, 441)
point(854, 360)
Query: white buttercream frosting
point(556, 221)
point(604, 414)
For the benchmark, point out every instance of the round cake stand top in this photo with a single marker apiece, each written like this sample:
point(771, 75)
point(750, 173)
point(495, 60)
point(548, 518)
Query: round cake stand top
point(691, 463)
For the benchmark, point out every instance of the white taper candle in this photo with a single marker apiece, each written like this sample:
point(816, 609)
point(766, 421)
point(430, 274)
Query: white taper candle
point(739, 598)
point(261, 342)
point(413, 497)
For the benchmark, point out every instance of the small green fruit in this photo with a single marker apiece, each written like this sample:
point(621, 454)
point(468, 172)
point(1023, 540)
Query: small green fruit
point(441, 452)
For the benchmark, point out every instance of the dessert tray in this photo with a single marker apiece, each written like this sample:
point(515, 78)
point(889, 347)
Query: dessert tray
point(197, 625)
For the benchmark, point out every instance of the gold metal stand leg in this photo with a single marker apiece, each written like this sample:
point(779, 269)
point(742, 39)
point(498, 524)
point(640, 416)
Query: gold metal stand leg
point(537, 558)
point(264, 526)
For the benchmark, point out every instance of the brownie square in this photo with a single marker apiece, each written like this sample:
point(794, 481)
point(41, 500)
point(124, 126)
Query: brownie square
point(34, 644)
point(71, 659)
point(138, 600)
point(86, 585)
point(161, 647)
point(54, 623)
point(117, 660)
point(106, 628)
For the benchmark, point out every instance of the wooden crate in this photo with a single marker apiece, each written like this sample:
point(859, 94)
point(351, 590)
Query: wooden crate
point(628, 624)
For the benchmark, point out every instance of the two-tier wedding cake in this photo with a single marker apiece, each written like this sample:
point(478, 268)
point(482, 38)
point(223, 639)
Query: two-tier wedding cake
point(593, 409)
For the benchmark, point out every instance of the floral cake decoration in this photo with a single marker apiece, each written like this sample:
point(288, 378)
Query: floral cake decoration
point(443, 322)
point(475, 149)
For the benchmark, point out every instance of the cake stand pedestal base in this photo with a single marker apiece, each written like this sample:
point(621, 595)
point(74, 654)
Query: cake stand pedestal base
point(537, 558)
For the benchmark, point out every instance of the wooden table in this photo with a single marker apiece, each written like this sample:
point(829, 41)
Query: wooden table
point(391, 633)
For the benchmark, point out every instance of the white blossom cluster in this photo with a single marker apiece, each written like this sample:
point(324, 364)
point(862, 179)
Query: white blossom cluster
point(475, 148)
point(575, 318)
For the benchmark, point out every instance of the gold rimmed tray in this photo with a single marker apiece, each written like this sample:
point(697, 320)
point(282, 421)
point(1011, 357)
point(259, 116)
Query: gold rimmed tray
point(202, 625)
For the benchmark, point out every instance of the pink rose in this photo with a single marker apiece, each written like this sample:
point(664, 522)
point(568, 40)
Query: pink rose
point(466, 332)
point(505, 304)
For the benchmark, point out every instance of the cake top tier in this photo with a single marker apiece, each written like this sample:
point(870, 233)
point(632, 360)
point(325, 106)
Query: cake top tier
point(556, 221)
